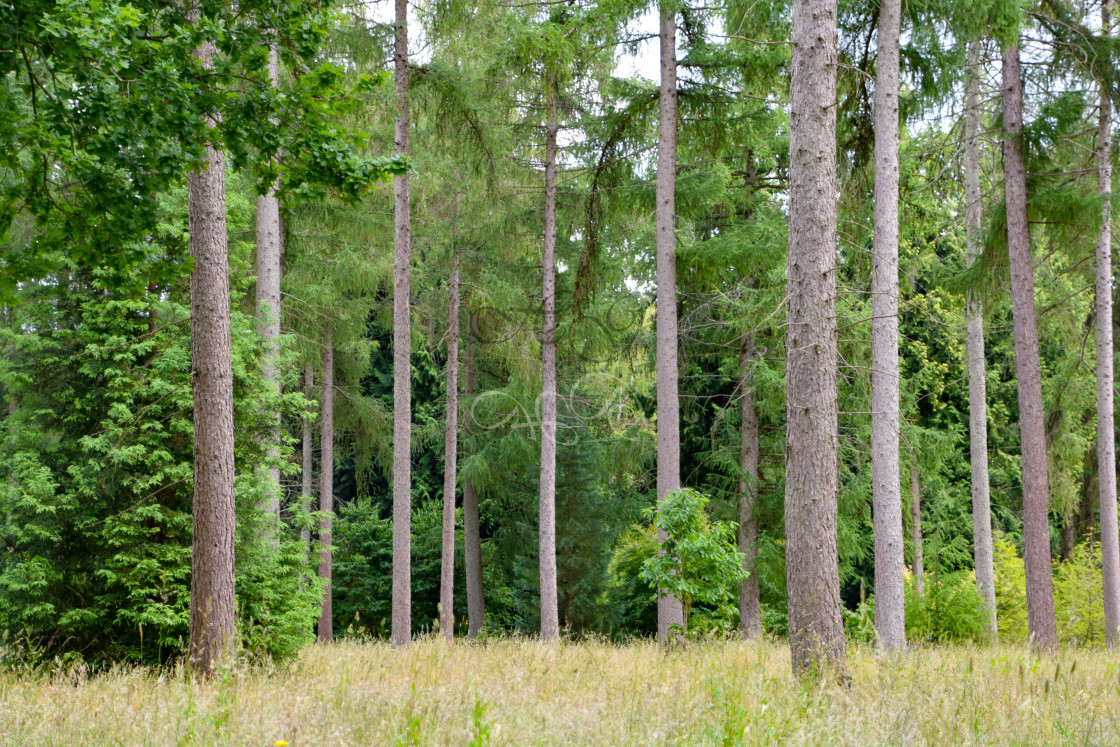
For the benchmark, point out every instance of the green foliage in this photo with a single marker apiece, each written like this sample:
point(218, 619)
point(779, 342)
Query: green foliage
point(1079, 596)
point(1011, 590)
point(949, 609)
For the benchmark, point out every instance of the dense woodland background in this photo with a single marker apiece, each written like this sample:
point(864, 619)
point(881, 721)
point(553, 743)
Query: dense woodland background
point(105, 107)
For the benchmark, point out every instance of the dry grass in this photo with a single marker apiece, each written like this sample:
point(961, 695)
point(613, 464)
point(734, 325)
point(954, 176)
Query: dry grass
point(520, 692)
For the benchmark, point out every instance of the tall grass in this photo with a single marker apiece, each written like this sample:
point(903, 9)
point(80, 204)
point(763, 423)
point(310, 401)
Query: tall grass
point(521, 692)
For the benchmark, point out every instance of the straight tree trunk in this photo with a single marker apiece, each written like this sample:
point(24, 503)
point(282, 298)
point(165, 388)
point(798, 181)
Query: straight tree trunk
point(750, 610)
point(326, 491)
point(450, 459)
point(402, 366)
point(550, 614)
point(308, 461)
point(977, 385)
point(269, 249)
point(213, 609)
point(1032, 434)
point(886, 494)
point(472, 543)
point(919, 568)
point(1106, 435)
point(670, 612)
point(812, 568)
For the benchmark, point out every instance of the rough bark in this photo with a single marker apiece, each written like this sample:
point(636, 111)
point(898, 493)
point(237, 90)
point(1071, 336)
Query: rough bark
point(1032, 435)
point(916, 541)
point(750, 610)
point(550, 614)
point(977, 384)
point(308, 488)
point(472, 543)
point(212, 614)
point(269, 249)
point(326, 490)
point(670, 612)
point(812, 568)
point(450, 459)
point(1106, 434)
point(401, 632)
point(886, 495)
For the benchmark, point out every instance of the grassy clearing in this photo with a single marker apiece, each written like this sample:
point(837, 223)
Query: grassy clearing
point(520, 692)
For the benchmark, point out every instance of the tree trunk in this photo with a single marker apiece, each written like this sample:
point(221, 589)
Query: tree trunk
point(308, 461)
point(472, 543)
point(750, 610)
point(916, 540)
point(550, 614)
point(450, 459)
point(1106, 437)
point(977, 385)
point(670, 613)
point(1032, 436)
point(886, 493)
point(812, 568)
point(402, 365)
point(326, 490)
point(213, 608)
point(269, 249)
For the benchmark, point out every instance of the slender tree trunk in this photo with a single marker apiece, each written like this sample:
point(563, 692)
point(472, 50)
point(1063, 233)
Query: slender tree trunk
point(472, 543)
point(1032, 435)
point(550, 614)
point(812, 567)
point(886, 494)
point(1106, 434)
point(916, 540)
point(977, 385)
point(450, 459)
point(750, 610)
point(308, 461)
point(212, 614)
point(402, 365)
point(326, 490)
point(670, 612)
point(269, 249)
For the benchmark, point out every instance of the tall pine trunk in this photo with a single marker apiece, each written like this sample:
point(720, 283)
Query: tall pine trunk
point(450, 458)
point(977, 385)
point(1032, 434)
point(472, 542)
point(550, 614)
point(269, 249)
point(670, 612)
point(326, 490)
point(213, 608)
point(812, 568)
point(886, 493)
point(750, 610)
point(917, 542)
point(1106, 434)
point(308, 486)
point(402, 366)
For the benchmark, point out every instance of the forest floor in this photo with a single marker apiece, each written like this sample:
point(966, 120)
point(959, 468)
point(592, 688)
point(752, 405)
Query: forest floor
point(521, 692)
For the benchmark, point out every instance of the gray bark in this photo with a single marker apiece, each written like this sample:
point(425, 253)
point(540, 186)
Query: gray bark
point(269, 249)
point(916, 540)
point(450, 459)
point(550, 614)
point(977, 384)
point(308, 460)
point(812, 568)
point(886, 494)
point(1032, 434)
point(472, 543)
point(1106, 434)
point(670, 611)
point(326, 490)
point(213, 609)
point(750, 610)
point(402, 367)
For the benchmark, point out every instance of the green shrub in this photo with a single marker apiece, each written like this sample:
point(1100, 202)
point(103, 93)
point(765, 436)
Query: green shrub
point(1011, 590)
point(1079, 596)
point(949, 609)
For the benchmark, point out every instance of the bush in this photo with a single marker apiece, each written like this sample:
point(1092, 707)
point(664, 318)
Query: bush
point(949, 609)
point(1011, 590)
point(1079, 596)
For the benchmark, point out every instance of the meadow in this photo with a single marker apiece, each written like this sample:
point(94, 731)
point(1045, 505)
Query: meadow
point(520, 692)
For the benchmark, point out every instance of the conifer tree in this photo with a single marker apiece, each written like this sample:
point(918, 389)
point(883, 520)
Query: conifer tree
point(326, 490)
